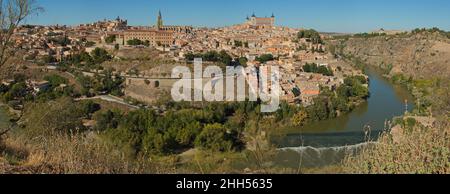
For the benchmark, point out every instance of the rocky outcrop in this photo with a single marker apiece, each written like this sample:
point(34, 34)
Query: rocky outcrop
point(421, 55)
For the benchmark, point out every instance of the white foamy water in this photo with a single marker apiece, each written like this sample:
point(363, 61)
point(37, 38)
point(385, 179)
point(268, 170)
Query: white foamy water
point(306, 156)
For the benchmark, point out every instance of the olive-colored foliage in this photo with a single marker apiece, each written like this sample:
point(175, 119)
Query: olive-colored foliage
point(61, 115)
point(180, 128)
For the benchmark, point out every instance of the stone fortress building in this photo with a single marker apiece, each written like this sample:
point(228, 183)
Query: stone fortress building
point(261, 22)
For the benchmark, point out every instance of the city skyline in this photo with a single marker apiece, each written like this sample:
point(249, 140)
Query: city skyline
point(323, 15)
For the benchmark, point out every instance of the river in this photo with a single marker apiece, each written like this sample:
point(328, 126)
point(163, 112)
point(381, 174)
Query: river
point(328, 142)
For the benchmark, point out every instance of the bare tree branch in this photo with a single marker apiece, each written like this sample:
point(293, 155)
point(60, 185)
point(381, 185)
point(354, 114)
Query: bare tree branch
point(12, 14)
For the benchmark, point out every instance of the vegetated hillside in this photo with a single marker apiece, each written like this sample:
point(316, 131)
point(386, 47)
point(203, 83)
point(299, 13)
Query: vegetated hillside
point(422, 54)
point(419, 60)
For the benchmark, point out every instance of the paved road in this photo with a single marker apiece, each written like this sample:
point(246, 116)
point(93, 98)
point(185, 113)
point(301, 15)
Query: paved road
point(109, 98)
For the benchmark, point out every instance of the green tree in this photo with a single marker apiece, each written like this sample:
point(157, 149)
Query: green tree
point(325, 71)
point(355, 87)
point(265, 58)
point(19, 90)
point(215, 137)
point(49, 59)
point(147, 43)
point(100, 55)
point(55, 80)
point(59, 116)
point(186, 136)
point(107, 120)
point(319, 110)
point(89, 107)
point(238, 43)
point(110, 39)
point(299, 118)
point(312, 36)
point(243, 61)
point(135, 42)
point(225, 58)
point(90, 44)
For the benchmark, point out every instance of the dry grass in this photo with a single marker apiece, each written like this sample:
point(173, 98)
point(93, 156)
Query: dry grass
point(69, 154)
point(419, 151)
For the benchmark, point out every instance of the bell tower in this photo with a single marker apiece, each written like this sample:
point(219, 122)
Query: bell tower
point(159, 23)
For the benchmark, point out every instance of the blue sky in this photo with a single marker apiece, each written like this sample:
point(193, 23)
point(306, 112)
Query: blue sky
point(323, 15)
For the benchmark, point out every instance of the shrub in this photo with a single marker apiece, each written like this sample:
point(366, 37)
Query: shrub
point(61, 115)
point(215, 137)
point(422, 151)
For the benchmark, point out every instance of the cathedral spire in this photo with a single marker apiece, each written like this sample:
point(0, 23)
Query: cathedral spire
point(159, 23)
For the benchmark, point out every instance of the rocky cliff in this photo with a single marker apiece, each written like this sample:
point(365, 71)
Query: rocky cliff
point(421, 55)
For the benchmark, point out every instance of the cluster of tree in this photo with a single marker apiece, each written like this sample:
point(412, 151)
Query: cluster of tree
point(212, 56)
point(89, 61)
point(110, 39)
point(238, 43)
point(375, 34)
point(359, 35)
point(61, 40)
point(354, 86)
point(217, 127)
point(19, 90)
point(265, 58)
point(329, 104)
point(89, 44)
point(62, 115)
point(58, 87)
point(368, 35)
point(100, 55)
point(49, 34)
point(137, 42)
point(242, 61)
point(105, 83)
point(311, 35)
point(47, 59)
point(319, 50)
point(314, 68)
point(302, 47)
point(89, 107)
point(431, 30)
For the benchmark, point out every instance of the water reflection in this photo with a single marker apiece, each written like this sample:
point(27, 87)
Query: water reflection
point(386, 101)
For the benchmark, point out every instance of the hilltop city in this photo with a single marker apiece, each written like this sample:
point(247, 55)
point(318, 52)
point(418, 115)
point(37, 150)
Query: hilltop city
point(255, 42)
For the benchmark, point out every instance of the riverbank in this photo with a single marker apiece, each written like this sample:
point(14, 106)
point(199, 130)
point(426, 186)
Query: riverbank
point(329, 142)
point(385, 102)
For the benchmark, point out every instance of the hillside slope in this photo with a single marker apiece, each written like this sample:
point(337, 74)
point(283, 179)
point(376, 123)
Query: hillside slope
point(421, 55)
point(421, 62)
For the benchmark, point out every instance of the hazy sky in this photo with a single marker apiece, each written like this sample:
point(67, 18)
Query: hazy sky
point(323, 15)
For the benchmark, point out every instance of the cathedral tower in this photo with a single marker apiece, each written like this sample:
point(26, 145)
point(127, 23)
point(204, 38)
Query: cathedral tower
point(159, 23)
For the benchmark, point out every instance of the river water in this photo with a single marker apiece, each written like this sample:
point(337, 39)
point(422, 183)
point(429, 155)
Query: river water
point(328, 142)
